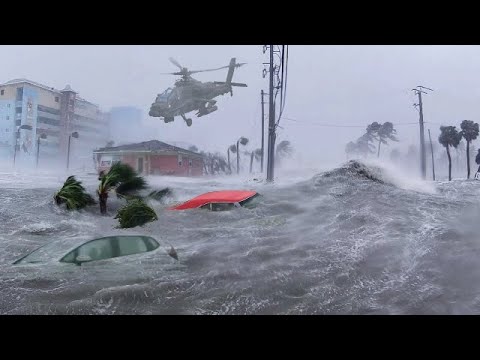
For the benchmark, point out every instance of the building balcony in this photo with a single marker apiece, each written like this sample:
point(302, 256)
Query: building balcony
point(19, 103)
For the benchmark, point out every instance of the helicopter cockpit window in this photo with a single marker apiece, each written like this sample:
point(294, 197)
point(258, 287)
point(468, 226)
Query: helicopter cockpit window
point(164, 97)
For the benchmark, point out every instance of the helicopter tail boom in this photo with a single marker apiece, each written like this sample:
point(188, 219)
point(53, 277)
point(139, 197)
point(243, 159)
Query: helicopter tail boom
point(231, 69)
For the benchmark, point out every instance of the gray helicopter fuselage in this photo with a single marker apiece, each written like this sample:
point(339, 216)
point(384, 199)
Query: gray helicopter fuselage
point(186, 98)
point(189, 94)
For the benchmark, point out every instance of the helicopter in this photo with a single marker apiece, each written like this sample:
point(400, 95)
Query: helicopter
point(190, 95)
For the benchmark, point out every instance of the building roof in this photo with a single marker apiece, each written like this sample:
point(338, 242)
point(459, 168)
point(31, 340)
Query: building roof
point(225, 196)
point(147, 146)
point(21, 81)
point(45, 87)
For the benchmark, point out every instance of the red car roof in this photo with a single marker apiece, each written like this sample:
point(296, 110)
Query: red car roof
point(227, 196)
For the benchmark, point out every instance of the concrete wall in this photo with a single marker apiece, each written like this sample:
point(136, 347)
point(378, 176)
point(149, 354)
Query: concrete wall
point(7, 123)
point(10, 91)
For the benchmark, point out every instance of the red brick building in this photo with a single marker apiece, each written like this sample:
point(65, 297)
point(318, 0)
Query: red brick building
point(151, 158)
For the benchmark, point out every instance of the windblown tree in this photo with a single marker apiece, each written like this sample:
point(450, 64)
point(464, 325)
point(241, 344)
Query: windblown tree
point(231, 149)
point(372, 131)
point(449, 136)
point(364, 146)
point(193, 148)
point(135, 213)
point(284, 149)
point(255, 155)
point(469, 133)
point(242, 141)
point(215, 163)
point(121, 178)
point(385, 132)
point(73, 194)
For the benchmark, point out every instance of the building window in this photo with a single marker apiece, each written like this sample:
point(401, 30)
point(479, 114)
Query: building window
point(190, 163)
point(179, 160)
point(57, 99)
point(19, 94)
point(2, 92)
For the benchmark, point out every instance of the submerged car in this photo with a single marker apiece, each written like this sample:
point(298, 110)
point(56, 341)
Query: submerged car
point(110, 247)
point(221, 200)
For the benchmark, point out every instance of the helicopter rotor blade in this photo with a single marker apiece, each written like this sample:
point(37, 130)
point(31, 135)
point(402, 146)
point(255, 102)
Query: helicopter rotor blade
point(220, 68)
point(199, 71)
point(176, 63)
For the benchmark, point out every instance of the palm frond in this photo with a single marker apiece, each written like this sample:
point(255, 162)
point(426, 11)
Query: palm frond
point(131, 186)
point(73, 194)
point(159, 194)
point(135, 213)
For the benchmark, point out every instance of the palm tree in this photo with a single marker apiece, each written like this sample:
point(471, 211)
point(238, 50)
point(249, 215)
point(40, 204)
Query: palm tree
point(231, 149)
point(243, 141)
point(449, 137)
point(135, 213)
point(257, 155)
point(121, 178)
point(284, 149)
point(364, 147)
point(73, 194)
point(372, 131)
point(469, 132)
point(384, 132)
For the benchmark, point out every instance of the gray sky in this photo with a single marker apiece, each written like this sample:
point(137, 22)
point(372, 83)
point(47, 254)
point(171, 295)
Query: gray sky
point(338, 85)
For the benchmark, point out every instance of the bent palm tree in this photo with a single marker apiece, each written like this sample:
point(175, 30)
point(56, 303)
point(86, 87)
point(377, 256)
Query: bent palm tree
point(121, 178)
point(257, 155)
point(135, 213)
point(469, 132)
point(385, 132)
point(231, 149)
point(73, 194)
point(449, 137)
point(243, 141)
point(284, 149)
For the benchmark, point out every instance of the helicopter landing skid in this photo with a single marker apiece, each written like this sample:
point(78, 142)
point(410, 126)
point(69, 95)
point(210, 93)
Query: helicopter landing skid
point(188, 121)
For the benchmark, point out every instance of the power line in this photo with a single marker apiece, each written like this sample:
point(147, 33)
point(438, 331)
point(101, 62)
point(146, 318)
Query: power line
point(339, 125)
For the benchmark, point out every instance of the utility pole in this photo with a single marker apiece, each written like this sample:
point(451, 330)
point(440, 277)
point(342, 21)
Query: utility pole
point(271, 123)
point(431, 149)
point(423, 155)
point(263, 130)
point(277, 85)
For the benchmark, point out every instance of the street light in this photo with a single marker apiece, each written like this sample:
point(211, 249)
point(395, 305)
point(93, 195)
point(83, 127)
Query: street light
point(17, 135)
point(74, 135)
point(43, 136)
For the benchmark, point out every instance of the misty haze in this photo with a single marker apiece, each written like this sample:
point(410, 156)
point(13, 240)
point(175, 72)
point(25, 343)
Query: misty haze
point(239, 179)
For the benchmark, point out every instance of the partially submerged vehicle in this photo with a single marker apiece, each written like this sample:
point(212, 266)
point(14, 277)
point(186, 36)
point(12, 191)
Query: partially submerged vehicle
point(221, 200)
point(105, 248)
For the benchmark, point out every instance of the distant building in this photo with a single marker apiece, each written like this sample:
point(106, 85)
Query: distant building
point(55, 113)
point(152, 158)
